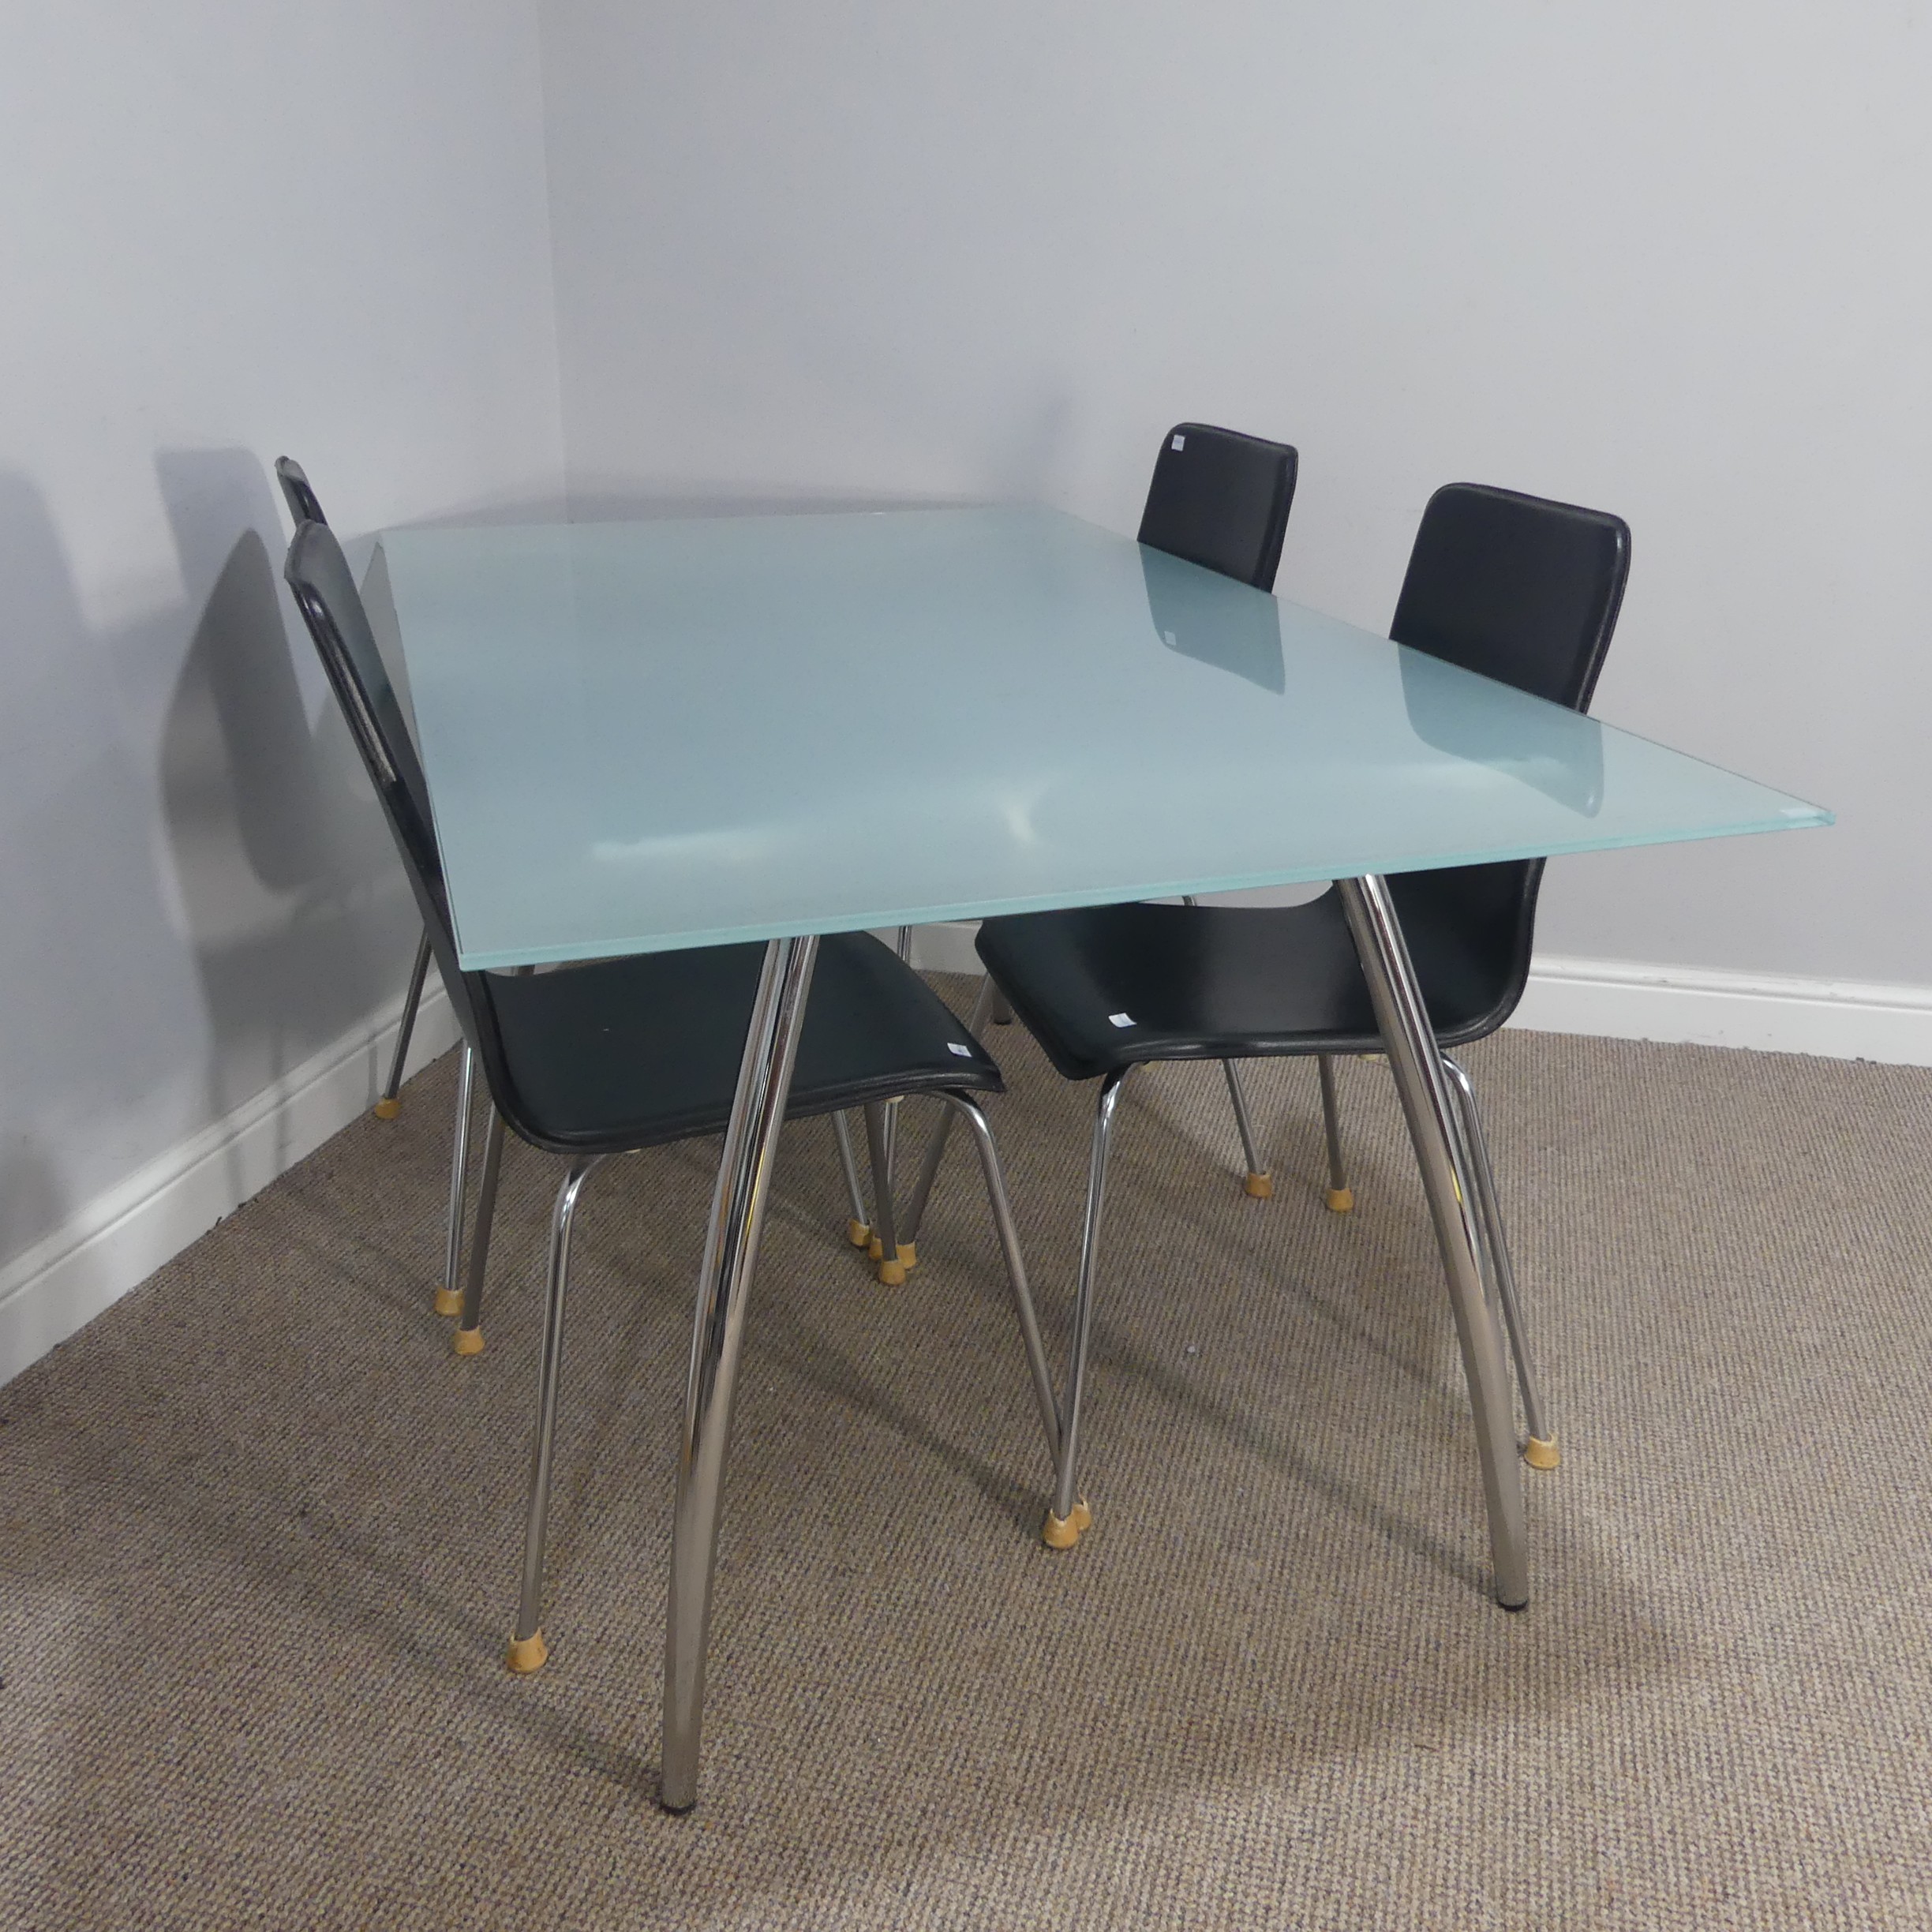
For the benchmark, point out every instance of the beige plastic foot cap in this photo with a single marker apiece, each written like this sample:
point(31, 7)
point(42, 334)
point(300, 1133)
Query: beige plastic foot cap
point(469, 1341)
point(1541, 1452)
point(858, 1234)
point(1061, 1533)
point(894, 1273)
point(388, 1109)
point(449, 1302)
point(1342, 1201)
point(1260, 1185)
point(527, 1653)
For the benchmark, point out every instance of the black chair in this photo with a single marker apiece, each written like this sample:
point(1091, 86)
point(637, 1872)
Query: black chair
point(1221, 499)
point(593, 1061)
point(1517, 588)
point(304, 507)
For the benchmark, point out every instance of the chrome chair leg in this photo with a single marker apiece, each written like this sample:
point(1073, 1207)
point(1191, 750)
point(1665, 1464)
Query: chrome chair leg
point(998, 1009)
point(469, 1325)
point(858, 1229)
point(1070, 1515)
point(1259, 1184)
point(975, 1116)
point(1341, 1196)
point(893, 1256)
point(1401, 1016)
point(1541, 1451)
point(914, 1211)
point(717, 1339)
point(527, 1649)
point(388, 1106)
point(449, 1297)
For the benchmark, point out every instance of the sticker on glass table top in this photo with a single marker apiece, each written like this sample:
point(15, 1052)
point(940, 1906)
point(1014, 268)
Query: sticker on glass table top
point(954, 1046)
point(1120, 1020)
point(1179, 442)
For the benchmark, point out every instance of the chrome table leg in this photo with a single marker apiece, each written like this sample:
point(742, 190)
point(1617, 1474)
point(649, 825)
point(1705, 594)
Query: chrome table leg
point(449, 1297)
point(1540, 1451)
point(528, 1652)
point(1402, 1017)
point(1341, 1196)
point(730, 1252)
point(387, 1107)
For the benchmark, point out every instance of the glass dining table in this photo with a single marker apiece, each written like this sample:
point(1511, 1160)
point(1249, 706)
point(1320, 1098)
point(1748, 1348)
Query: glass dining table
point(644, 735)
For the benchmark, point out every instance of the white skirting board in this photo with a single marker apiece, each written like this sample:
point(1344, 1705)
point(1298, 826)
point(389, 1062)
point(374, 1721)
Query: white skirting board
point(119, 1239)
point(1838, 1019)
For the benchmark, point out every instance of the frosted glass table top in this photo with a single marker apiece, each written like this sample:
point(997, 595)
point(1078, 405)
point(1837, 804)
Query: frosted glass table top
point(646, 735)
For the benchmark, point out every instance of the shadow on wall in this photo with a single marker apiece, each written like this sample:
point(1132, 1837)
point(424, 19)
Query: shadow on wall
point(296, 909)
point(89, 956)
point(196, 893)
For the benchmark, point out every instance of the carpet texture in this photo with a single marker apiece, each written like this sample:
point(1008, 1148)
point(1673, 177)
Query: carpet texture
point(259, 1533)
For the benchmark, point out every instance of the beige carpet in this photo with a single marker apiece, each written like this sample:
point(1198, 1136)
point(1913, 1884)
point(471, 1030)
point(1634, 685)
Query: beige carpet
point(258, 1534)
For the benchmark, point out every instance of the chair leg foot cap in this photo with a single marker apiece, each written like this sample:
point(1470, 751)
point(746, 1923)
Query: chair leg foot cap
point(469, 1341)
point(891, 1274)
point(1261, 1186)
point(858, 1233)
point(449, 1300)
point(387, 1108)
point(1341, 1200)
point(1541, 1452)
point(1061, 1533)
point(527, 1654)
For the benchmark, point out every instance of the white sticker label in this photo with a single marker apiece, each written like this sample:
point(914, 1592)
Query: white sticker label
point(1121, 1020)
point(1178, 443)
point(965, 1053)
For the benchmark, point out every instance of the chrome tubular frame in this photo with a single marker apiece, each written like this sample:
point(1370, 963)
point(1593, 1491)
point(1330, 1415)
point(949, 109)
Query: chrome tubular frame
point(459, 1173)
point(878, 1120)
point(841, 1132)
point(718, 1337)
point(1331, 1126)
point(411, 1000)
point(530, 1605)
point(1498, 1255)
point(1241, 1121)
point(1066, 1492)
point(971, 1111)
point(915, 1210)
point(1434, 1131)
point(472, 1316)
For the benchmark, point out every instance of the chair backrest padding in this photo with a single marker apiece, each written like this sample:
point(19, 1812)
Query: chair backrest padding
point(1221, 499)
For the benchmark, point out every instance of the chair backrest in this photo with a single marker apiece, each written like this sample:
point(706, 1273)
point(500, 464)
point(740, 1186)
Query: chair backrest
point(1526, 591)
point(303, 505)
point(324, 589)
point(1221, 499)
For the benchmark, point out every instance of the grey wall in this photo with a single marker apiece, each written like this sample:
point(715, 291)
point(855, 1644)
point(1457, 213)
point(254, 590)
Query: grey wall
point(228, 228)
point(1669, 257)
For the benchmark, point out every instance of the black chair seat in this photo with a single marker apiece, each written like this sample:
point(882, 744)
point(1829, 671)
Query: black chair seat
point(633, 1053)
point(1222, 982)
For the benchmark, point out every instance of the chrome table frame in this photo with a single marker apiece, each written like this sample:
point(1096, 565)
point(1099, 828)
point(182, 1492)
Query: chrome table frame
point(738, 1208)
